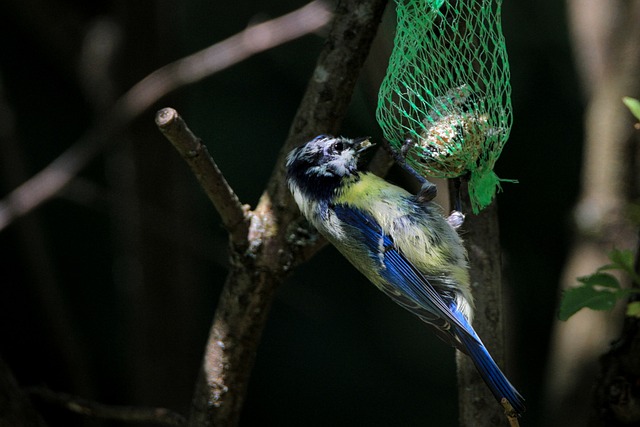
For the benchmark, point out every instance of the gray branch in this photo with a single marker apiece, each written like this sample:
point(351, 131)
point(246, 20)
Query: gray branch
point(254, 276)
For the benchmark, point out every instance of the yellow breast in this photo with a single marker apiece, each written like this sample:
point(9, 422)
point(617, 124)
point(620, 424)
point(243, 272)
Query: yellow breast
point(411, 231)
point(375, 196)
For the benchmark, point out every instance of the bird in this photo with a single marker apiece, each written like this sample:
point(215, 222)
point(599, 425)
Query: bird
point(400, 241)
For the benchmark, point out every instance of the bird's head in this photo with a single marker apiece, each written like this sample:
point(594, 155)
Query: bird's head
point(320, 165)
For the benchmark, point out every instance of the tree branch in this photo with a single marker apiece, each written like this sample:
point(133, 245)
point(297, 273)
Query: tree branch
point(195, 153)
point(273, 247)
point(52, 179)
point(112, 412)
point(477, 405)
point(235, 49)
point(16, 408)
point(36, 249)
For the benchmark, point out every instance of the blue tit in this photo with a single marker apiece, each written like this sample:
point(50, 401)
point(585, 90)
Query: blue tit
point(399, 241)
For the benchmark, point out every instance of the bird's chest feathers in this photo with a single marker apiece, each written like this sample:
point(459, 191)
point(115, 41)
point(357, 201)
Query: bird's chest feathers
point(376, 197)
point(415, 230)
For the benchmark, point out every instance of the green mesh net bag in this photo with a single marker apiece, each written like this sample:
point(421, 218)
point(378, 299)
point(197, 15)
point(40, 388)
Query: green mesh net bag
point(445, 102)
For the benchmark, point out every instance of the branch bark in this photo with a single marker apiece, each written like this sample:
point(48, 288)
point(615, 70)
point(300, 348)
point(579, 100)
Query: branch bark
point(272, 251)
point(195, 153)
point(477, 406)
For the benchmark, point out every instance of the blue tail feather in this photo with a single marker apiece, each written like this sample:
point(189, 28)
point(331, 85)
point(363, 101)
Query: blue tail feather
point(491, 373)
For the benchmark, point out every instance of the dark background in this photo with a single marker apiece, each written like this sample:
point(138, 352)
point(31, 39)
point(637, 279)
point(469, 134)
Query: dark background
point(107, 291)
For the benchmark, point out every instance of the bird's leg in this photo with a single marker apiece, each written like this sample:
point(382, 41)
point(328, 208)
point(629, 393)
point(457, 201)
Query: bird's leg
point(455, 219)
point(428, 190)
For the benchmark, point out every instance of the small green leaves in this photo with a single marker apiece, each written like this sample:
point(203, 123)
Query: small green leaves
point(633, 105)
point(601, 291)
point(604, 280)
point(575, 299)
point(622, 260)
point(633, 309)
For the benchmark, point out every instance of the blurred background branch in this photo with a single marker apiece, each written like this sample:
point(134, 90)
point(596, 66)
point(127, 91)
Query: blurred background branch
point(606, 45)
point(17, 409)
point(92, 409)
point(260, 37)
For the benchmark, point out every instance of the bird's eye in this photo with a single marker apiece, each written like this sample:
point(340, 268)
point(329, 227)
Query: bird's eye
point(339, 146)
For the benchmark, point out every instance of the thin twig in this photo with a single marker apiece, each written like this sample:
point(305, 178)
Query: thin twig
point(49, 181)
point(90, 408)
point(235, 49)
point(16, 408)
point(37, 252)
point(195, 153)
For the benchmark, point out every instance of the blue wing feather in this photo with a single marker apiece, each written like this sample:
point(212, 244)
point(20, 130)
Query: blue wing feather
point(409, 285)
point(400, 272)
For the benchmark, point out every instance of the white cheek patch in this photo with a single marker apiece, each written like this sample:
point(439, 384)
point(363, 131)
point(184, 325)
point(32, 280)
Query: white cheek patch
point(341, 165)
point(338, 166)
point(322, 170)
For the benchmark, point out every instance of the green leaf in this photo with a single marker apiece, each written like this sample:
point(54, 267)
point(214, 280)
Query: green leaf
point(600, 291)
point(575, 299)
point(633, 105)
point(633, 309)
point(600, 279)
point(622, 260)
